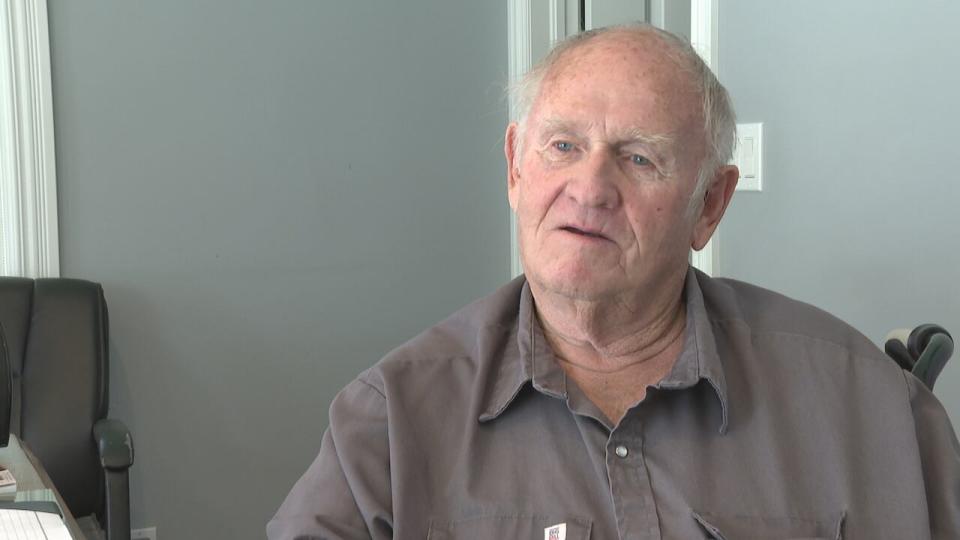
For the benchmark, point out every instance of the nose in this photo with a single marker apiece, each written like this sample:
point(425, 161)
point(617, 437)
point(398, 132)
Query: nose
point(594, 183)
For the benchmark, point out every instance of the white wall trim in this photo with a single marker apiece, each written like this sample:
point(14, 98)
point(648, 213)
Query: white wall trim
point(519, 45)
point(558, 21)
point(587, 14)
point(29, 245)
point(703, 30)
point(703, 37)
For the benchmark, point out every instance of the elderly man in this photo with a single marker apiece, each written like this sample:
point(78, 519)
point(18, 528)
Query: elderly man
point(612, 391)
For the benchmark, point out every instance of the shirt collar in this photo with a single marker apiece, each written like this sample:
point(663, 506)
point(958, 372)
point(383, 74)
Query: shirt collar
point(526, 358)
point(529, 357)
point(699, 359)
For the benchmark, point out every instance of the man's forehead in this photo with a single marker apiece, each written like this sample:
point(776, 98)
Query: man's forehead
point(639, 52)
point(630, 72)
point(620, 133)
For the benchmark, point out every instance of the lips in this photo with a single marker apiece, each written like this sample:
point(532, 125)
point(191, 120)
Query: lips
point(586, 233)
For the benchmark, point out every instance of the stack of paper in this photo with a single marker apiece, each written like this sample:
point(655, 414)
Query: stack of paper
point(28, 525)
point(8, 485)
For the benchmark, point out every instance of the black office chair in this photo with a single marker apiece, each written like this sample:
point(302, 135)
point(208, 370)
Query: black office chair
point(56, 343)
point(923, 351)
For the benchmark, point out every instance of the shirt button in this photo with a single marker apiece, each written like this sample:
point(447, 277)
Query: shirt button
point(621, 451)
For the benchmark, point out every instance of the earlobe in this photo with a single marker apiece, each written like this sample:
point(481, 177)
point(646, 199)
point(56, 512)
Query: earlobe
point(715, 203)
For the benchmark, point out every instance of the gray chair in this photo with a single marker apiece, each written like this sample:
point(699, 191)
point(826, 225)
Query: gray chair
point(56, 343)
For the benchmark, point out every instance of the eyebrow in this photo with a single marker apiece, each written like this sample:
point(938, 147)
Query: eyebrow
point(630, 136)
point(653, 139)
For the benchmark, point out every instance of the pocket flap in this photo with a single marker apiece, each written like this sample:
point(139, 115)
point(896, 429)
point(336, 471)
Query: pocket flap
point(518, 527)
point(771, 528)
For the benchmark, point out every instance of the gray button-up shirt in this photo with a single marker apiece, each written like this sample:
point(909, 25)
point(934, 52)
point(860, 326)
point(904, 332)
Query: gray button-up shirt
point(777, 421)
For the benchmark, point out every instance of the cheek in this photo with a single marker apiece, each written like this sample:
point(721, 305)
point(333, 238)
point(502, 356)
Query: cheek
point(536, 195)
point(657, 218)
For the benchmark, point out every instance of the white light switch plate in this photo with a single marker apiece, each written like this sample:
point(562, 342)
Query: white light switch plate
point(748, 156)
point(149, 533)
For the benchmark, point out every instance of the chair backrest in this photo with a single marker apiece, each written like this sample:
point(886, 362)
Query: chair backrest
point(5, 390)
point(56, 336)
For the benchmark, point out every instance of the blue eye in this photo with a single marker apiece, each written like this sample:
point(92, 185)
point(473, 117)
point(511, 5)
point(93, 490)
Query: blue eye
point(637, 159)
point(563, 146)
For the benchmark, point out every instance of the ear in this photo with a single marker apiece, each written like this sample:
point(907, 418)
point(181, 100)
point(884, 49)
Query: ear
point(715, 202)
point(510, 142)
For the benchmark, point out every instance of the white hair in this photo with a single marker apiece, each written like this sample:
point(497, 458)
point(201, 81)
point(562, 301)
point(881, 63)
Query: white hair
point(719, 119)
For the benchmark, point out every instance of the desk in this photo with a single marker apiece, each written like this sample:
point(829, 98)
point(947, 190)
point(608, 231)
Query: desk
point(33, 484)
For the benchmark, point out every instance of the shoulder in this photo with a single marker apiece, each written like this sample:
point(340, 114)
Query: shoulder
point(779, 338)
point(795, 354)
point(769, 314)
point(456, 349)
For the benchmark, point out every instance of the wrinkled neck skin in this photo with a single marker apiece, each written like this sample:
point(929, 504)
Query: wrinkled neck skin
point(617, 333)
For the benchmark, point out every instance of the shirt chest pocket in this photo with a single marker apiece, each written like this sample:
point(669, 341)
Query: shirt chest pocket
point(519, 527)
point(770, 528)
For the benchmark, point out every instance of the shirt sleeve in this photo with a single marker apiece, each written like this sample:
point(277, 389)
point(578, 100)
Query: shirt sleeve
point(345, 493)
point(940, 459)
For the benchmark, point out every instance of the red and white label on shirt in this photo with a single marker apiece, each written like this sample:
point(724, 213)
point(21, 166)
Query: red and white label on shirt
point(555, 532)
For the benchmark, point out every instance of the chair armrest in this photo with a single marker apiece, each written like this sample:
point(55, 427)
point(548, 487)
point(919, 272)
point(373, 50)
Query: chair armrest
point(937, 351)
point(114, 444)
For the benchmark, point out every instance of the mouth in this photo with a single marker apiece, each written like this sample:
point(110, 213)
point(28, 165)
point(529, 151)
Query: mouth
point(587, 234)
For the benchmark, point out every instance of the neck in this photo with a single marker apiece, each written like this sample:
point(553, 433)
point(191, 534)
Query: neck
point(612, 333)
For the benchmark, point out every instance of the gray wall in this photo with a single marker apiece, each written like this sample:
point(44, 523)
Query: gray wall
point(273, 194)
point(859, 213)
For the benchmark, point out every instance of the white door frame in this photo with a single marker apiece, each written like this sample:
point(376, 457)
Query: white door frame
point(703, 36)
point(29, 244)
point(519, 47)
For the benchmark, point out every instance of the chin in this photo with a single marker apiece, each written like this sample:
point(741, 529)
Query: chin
point(579, 282)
